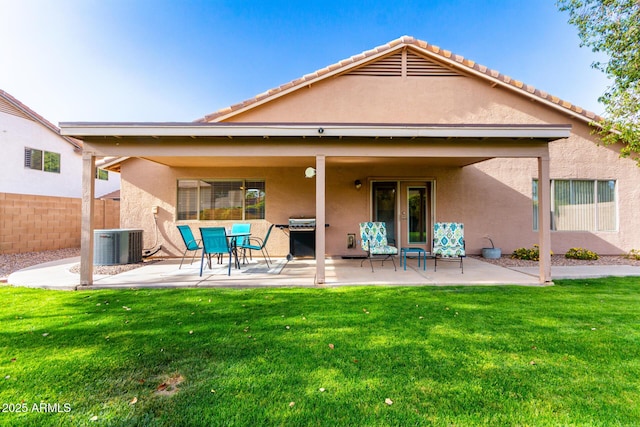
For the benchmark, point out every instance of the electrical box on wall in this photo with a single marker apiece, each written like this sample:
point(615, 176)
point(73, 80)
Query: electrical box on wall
point(154, 210)
point(351, 241)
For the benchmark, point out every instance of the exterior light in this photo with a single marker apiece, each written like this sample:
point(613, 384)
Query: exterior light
point(309, 172)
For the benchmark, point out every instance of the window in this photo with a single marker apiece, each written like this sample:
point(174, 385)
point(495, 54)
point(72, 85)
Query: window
point(580, 205)
point(41, 160)
point(102, 174)
point(237, 199)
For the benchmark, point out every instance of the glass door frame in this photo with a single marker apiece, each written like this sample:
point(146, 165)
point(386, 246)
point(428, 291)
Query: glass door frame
point(422, 219)
point(401, 226)
point(392, 229)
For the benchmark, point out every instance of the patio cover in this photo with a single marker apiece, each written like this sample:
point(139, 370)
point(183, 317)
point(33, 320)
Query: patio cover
point(200, 144)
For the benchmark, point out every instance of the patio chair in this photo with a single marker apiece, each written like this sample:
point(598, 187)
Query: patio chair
point(190, 242)
point(258, 244)
point(242, 241)
point(448, 243)
point(374, 241)
point(214, 242)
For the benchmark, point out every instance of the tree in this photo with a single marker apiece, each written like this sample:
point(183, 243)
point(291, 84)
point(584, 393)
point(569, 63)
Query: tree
point(613, 28)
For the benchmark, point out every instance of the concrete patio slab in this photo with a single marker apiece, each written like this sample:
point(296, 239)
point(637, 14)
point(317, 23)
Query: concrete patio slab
point(301, 273)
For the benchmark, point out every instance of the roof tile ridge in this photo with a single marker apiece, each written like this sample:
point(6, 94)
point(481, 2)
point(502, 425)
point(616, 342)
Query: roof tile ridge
point(530, 89)
point(408, 41)
point(304, 79)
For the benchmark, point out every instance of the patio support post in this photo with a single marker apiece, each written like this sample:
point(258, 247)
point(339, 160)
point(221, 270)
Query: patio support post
point(544, 219)
point(320, 217)
point(86, 232)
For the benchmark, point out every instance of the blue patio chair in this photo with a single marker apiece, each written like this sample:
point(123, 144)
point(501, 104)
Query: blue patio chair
point(258, 244)
point(214, 242)
point(241, 242)
point(190, 242)
point(373, 240)
point(448, 243)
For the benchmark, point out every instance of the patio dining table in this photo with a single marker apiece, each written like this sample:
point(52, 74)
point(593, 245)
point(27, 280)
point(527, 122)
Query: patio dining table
point(233, 240)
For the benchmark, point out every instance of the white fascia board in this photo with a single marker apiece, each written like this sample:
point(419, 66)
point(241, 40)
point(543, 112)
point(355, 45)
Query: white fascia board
point(312, 130)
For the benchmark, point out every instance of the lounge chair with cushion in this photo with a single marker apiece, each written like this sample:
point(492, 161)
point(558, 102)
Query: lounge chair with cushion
point(374, 242)
point(448, 243)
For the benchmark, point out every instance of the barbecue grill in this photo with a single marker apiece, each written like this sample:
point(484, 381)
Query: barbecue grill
point(302, 237)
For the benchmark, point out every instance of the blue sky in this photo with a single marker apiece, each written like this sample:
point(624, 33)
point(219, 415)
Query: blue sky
point(160, 60)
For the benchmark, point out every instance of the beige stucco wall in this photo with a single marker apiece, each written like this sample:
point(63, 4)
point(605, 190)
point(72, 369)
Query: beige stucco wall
point(287, 195)
point(578, 157)
point(368, 99)
point(490, 198)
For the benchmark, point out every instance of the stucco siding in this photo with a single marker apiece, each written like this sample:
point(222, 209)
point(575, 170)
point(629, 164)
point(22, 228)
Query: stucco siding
point(578, 157)
point(492, 198)
point(18, 133)
point(368, 99)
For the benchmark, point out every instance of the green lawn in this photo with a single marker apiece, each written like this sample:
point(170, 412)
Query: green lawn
point(375, 356)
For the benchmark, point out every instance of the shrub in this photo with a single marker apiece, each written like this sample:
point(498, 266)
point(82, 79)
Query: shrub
point(581, 253)
point(532, 254)
point(634, 254)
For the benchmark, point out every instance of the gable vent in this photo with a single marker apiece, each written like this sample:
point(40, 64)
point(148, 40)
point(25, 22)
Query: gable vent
point(389, 66)
point(412, 65)
point(419, 66)
point(7, 108)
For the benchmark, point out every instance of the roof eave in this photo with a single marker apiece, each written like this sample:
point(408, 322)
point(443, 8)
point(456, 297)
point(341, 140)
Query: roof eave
point(84, 130)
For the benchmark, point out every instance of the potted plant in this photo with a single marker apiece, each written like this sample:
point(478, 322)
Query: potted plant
point(492, 252)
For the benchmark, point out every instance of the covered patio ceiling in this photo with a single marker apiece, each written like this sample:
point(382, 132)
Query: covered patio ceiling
point(262, 162)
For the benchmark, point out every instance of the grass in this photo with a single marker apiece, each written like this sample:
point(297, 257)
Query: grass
point(464, 356)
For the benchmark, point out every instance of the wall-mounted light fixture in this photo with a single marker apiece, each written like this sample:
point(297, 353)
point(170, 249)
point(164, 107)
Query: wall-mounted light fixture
point(309, 172)
point(358, 184)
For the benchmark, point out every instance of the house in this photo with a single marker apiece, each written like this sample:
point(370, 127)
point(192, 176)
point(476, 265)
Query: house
point(38, 160)
point(405, 133)
point(40, 181)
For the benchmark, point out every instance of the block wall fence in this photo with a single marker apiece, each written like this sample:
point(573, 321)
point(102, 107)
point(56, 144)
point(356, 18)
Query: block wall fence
point(31, 223)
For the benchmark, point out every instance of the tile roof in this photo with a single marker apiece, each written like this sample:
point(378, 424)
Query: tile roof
point(457, 62)
point(77, 144)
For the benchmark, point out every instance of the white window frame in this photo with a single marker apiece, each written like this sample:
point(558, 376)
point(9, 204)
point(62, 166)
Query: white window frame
point(28, 156)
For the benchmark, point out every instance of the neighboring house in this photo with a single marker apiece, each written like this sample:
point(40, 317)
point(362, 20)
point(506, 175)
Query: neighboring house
point(40, 182)
point(37, 159)
point(405, 133)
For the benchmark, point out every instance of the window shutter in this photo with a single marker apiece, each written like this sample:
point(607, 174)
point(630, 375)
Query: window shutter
point(27, 157)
